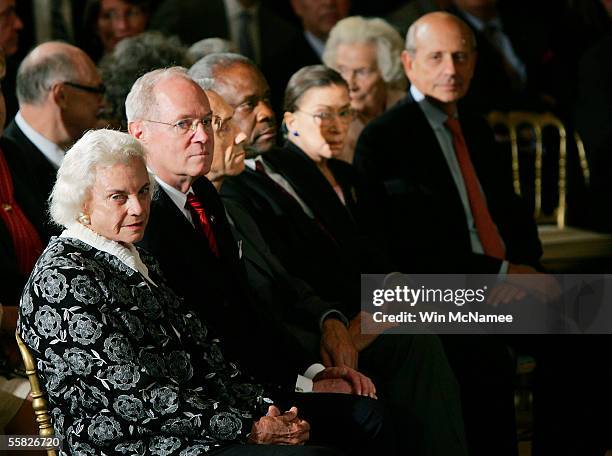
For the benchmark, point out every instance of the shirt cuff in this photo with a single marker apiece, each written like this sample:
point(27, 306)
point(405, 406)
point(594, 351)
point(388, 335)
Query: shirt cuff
point(304, 383)
point(503, 270)
point(333, 313)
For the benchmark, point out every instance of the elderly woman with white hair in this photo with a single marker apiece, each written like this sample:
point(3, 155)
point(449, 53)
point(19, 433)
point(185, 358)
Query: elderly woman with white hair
point(366, 52)
point(127, 369)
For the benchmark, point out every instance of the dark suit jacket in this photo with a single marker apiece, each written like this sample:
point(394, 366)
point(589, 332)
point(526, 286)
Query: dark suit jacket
point(285, 295)
point(216, 288)
point(353, 226)
point(491, 87)
point(302, 246)
point(283, 47)
point(37, 176)
point(593, 115)
point(399, 156)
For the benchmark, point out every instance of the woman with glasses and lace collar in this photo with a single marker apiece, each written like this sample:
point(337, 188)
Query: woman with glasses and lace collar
point(127, 369)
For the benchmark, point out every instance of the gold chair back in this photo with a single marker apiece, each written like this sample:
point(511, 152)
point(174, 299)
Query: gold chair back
point(513, 121)
point(39, 403)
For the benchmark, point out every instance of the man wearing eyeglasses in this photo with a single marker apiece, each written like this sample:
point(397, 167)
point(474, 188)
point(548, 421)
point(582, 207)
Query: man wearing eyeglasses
point(60, 94)
point(189, 234)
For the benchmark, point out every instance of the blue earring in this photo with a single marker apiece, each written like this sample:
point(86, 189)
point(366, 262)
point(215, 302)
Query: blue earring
point(295, 133)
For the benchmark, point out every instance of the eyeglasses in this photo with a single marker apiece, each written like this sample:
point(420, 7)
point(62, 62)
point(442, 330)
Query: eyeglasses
point(326, 118)
point(184, 126)
point(99, 89)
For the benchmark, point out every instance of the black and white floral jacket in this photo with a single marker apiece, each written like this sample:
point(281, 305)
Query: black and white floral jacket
point(128, 370)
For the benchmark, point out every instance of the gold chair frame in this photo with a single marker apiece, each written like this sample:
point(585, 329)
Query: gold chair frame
point(538, 122)
point(39, 403)
point(564, 247)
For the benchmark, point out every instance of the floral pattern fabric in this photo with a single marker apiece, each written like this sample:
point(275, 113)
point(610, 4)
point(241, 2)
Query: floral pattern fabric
point(127, 369)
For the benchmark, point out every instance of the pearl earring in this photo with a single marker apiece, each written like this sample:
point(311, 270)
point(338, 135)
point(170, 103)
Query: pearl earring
point(84, 219)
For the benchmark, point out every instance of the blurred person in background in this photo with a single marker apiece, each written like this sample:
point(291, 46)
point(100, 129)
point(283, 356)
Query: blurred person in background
point(60, 96)
point(207, 46)
point(366, 52)
point(107, 22)
point(130, 59)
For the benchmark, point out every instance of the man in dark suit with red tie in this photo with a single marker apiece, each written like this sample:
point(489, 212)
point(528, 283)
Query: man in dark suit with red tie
point(188, 232)
point(450, 207)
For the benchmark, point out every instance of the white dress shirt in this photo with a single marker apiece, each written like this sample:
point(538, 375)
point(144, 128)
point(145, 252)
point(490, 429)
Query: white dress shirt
point(49, 149)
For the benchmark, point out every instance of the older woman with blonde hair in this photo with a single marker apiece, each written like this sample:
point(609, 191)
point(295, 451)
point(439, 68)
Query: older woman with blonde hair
point(366, 52)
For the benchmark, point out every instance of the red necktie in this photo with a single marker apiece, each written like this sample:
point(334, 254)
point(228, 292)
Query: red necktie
point(26, 242)
point(490, 239)
point(199, 215)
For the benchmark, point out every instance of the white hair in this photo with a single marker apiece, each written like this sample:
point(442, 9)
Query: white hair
point(389, 45)
point(141, 101)
point(77, 174)
point(208, 46)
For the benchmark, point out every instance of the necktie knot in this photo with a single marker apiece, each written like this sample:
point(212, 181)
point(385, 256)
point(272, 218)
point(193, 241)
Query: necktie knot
point(194, 202)
point(454, 126)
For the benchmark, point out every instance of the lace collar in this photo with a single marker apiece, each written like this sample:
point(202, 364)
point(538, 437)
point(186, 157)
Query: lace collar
point(126, 253)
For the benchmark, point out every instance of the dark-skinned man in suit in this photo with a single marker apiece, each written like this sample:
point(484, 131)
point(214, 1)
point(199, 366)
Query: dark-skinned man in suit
point(189, 234)
point(416, 383)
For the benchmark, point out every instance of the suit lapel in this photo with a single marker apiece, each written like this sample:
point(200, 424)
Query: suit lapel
point(247, 235)
point(313, 189)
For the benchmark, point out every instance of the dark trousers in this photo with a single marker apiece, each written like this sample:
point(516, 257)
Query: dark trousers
point(416, 384)
point(418, 388)
point(485, 371)
point(572, 396)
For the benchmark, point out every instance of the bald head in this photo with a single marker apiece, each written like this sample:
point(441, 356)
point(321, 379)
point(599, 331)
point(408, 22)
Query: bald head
point(48, 64)
point(60, 92)
point(439, 58)
point(433, 23)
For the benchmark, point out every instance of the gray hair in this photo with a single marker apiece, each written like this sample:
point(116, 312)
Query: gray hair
point(411, 35)
point(133, 57)
point(141, 101)
point(389, 45)
point(207, 67)
point(77, 174)
point(209, 46)
point(37, 74)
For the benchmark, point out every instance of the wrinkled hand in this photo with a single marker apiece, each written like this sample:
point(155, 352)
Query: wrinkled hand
point(522, 280)
point(337, 348)
point(343, 380)
point(280, 429)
